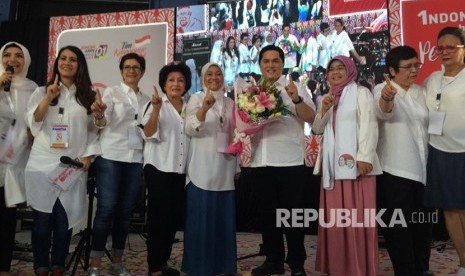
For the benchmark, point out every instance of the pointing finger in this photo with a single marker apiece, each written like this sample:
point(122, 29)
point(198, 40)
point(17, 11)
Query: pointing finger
point(155, 92)
point(55, 82)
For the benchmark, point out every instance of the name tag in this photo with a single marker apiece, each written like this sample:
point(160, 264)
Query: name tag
point(59, 136)
point(222, 142)
point(436, 122)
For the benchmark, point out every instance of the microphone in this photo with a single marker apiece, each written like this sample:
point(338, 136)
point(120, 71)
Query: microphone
point(71, 162)
point(7, 85)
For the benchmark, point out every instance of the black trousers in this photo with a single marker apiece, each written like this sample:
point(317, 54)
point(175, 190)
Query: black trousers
point(7, 232)
point(165, 215)
point(279, 187)
point(408, 247)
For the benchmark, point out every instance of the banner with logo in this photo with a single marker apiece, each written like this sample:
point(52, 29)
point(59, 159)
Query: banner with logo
point(106, 37)
point(104, 47)
point(417, 24)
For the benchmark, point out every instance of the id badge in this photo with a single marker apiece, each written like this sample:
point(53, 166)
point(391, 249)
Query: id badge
point(135, 140)
point(59, 136)
point(222, 142)
point(436, 122)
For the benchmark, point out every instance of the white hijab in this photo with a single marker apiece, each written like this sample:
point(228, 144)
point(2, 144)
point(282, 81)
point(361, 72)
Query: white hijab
point(218, 94)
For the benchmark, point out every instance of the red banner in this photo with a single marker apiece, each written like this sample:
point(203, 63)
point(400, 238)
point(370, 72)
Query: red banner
point(421, 22)
point(342, 7)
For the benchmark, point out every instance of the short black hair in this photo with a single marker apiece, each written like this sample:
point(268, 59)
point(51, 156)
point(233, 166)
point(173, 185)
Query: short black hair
point(323, 26)
point(140, 60)
point(271, 47)
point(457, 32)
point(396, 54)
point(256, 37)
point(180, 67)
point(244, 35)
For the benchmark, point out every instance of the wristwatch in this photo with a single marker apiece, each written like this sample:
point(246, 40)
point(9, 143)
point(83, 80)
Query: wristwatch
point(298, 101)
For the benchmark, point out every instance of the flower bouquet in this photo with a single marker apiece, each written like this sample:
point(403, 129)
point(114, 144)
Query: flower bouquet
point(255, 106)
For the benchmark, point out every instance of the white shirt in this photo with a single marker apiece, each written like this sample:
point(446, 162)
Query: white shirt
point(452, 102)
point(12, 176)
point(206, 167)
point(244, 59)
point(281, 143)
point(167, 148)
point(82, 142)
point(403, 133)
point(123, 104)
point(341, 44)
point(324, 54)
point(310, 55)
point(367, 129)
point(290, 53)
point(254, 66)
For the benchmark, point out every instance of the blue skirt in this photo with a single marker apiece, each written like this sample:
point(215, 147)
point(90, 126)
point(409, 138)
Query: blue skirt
point(445, 185)
point(210, 232)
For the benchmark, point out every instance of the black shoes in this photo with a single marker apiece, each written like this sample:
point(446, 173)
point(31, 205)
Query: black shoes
point(168, 271)
point(268, 268)
point(298, 272)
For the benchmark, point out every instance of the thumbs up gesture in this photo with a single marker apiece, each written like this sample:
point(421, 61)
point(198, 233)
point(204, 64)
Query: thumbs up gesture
point(389, 91)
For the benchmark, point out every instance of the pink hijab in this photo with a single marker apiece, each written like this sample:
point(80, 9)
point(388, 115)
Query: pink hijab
point(351, 76)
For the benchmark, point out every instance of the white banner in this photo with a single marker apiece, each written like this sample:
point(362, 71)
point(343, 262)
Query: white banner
point(104, 47)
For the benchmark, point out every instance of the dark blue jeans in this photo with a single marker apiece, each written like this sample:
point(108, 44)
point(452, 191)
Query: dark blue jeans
point(118, 185)
point(41, 236)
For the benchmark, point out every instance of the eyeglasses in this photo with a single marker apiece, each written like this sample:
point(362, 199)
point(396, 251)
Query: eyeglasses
point(412, 65)
point(129, 68)
point(448, 48)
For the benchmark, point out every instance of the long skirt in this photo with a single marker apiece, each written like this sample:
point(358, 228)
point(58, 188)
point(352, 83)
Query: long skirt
point(210, 232)
point(348, 250)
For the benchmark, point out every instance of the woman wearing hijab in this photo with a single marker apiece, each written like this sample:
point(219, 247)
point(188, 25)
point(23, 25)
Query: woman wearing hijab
point(210, 231)
point(16, 90)
point(217, 55)
point(60, 119)
point(350, 163)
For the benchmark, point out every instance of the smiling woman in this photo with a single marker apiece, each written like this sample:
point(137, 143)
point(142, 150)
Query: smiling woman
point(20, 88)
point(119, 167)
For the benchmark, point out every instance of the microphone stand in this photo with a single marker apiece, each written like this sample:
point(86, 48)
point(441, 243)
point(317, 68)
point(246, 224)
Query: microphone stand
point(82, 250)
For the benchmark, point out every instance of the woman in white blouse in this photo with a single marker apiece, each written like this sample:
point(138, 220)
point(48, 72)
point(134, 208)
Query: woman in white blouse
point(402, 114)
point(210, 230)
point(119, 169)
point(165, 155)
point(231, 62)
point(16, 90)
point(59, 118)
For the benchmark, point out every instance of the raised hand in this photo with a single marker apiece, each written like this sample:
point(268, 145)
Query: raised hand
point(389, 91)
point(327, 102)
point(292, 90)
point(98, 107)
point(53, 90)
point(208, 101)
point(156, 99)
point(6, 77)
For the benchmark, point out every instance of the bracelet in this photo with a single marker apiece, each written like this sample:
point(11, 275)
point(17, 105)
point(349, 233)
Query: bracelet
point(387, 100)
point(298, 101)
